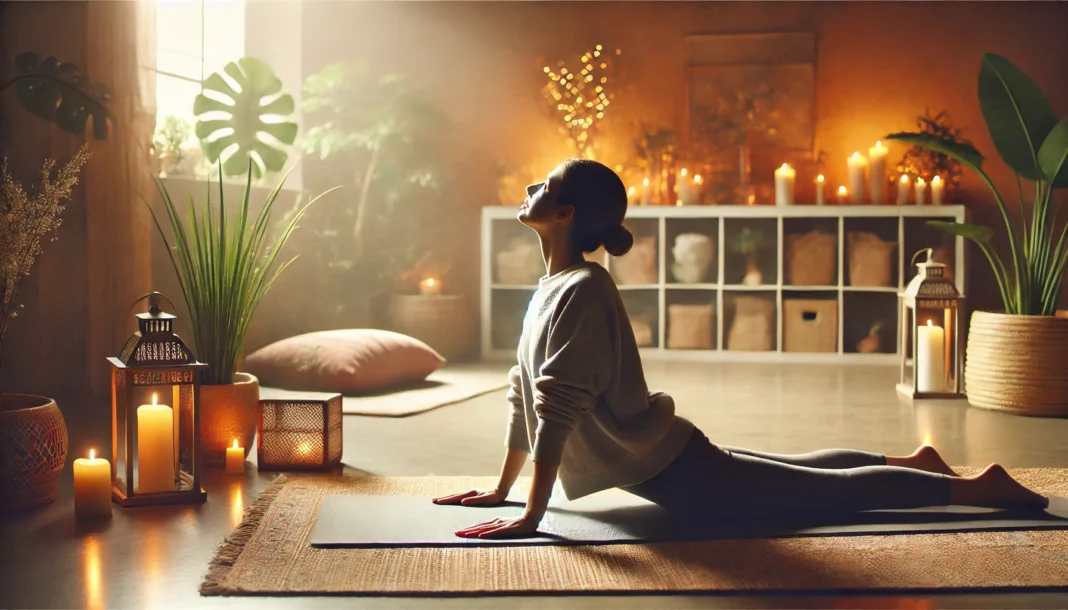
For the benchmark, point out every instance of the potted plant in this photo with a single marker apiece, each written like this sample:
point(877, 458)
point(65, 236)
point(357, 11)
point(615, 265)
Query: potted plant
point(749, 242)
point(33, 434)
point(1015, 357)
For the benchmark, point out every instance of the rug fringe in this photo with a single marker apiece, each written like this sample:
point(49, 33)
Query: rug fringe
point(227, 553)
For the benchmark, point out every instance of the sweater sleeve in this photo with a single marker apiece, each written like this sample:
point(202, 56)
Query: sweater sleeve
point(517, 424)
point(581, 360)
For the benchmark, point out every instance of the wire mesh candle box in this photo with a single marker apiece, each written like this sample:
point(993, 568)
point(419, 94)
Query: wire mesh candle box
point(810, 325)
point(299, 431)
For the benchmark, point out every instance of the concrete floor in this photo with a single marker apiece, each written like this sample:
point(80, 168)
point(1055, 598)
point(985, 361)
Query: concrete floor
point(156, 557)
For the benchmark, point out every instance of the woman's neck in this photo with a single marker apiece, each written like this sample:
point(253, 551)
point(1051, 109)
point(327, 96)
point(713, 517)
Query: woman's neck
point(559, 254)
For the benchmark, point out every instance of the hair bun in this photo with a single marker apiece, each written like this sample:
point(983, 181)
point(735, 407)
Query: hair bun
point(618, 241)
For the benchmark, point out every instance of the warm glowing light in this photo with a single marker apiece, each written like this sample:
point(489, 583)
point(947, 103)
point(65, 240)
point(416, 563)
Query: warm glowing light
point(603, 66)
point(936, 180)
point(929, 324)
point(153, 399)
point(842, 191)
point(645, 182)
point(94, 593)
point(904, 179)
point(879, 145)
point(598, 47)
point(92, 454)
point(683, 172)
point(856, 155)
point(547, 70)
point(603, 80)
point(697, 179)
point(304, 449)
point(619, 51)
point(785, 166)
point(820, 179)
point(630, 191)
point(235, 443)
point(237, 505)
point(920, 182)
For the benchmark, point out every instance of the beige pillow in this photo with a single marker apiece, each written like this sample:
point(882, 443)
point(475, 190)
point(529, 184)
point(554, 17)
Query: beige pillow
point(349, 362)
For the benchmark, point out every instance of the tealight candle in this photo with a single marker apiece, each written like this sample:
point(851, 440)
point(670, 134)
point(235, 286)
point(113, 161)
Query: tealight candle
point(877, 174)
point(819, 190)
point(92, 486)
point(843, 195)
point(937, 186)
point(921, 191)
point(857, 167)
point(430, 287)
point(784, 185)
point(235, 459)
point(903, 190)
point(155, 448)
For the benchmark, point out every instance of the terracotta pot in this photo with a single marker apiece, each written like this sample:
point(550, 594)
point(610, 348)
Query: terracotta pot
point(33, 450)
point(1017, 364)
point(228, 412)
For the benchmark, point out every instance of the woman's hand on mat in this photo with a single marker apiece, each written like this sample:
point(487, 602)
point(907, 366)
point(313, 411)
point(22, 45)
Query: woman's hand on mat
point(474, 498)
point(519, 527)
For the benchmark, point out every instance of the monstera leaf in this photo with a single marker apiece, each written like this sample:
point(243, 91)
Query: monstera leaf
point(61, 93)
point(235, 114)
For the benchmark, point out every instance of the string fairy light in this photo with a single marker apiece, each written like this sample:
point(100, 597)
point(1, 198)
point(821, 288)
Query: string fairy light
point(580, 102)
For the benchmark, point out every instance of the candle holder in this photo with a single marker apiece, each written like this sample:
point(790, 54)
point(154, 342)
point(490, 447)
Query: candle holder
point(299, 431)
point(155, 446)
point(931, 342)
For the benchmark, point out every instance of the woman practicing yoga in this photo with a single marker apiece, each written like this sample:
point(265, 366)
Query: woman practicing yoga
point(580, 404)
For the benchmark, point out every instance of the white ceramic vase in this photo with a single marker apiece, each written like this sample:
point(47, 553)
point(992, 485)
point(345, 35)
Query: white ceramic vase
point(694, 255)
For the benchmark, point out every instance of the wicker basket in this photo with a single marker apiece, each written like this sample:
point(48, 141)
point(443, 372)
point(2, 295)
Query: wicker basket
point(810, 325)
point(299, 431)
point(1017, 364)
point(442, 322)
point(810, 259)
point(33, 449)
point(870, 259)
point(753, 328)
point(691, 326)
point(637, 266)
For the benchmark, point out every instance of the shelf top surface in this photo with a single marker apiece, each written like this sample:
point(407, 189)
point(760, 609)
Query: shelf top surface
point(769, 211)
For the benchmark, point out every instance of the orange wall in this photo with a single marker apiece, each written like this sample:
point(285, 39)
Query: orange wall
point(878, 66)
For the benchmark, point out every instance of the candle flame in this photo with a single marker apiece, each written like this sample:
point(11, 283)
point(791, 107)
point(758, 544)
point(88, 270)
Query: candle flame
point(153, 400)
point(936, 180)
point(429, 282)
point(235, 443)
point(645, 182)
point(630, 191)
point(904, 179)
point(784, 167)
point(683, 172)
point(920, 182)
point(842, 191)
point(856, 155)
point(929, 324)
point(820, 178)
point(92, 454)
point(878, 144)
point(697, 179)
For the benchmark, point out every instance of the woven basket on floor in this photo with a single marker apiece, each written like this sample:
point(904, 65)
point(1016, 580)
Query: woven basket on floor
point(33, 449)
point(1017, 364)
point(443, 322)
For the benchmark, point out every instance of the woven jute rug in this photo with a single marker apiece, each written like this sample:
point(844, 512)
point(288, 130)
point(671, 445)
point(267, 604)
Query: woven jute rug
point(269, 554)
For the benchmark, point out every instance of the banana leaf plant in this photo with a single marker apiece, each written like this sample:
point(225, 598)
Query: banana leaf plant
point(1031, 140)
point(60, 93)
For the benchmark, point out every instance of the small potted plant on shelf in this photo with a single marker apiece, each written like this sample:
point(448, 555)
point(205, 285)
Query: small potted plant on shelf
point(749, 242)
point(1015, 357)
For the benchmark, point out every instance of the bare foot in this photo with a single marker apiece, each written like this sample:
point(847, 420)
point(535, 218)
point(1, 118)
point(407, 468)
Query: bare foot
point(994, 488)
point(925, 458)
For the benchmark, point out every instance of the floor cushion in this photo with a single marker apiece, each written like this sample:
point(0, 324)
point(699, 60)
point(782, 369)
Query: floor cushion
point(350, 362)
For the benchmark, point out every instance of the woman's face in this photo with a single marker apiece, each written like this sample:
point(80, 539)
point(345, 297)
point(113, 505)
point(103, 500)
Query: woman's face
point(542, 208)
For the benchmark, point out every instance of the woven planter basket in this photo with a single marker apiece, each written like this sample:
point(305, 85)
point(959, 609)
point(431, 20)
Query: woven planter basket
point(228, 412)
point(33, 449)
point(1017, 364)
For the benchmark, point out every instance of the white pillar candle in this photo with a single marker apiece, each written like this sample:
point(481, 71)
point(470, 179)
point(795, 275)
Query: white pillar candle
point(820, 180)
point(683, 188)
point(92, 486)
point(930, 354)
point(235, 459)
point(155, 448)
point(857, 166)
point(903, 190)
point(843, 195)
point(647, 193)
point(430, 287)
point(937, 186)
point(921, 191)
point(632, 197)
point(784, 185)
point(877, 173)
point(697, 186)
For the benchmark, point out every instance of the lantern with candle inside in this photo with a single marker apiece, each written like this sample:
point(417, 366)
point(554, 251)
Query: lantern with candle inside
point(155, 414)
point(299, 431)
point(931, 341)
point(430, 287)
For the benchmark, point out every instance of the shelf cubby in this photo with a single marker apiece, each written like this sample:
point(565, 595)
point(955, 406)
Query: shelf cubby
point(861, 313)
point(871, 252)
point(750, 321)
point(643, 309)
point(692, 247)
point(691, 320)
point(751, 249)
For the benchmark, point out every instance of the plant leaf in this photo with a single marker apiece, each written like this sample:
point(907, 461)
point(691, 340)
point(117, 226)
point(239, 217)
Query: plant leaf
point(61, 93)
point(1017, 114)
point(974, 232)
point(254, 99)
point(1053, 156)
point(966, 154)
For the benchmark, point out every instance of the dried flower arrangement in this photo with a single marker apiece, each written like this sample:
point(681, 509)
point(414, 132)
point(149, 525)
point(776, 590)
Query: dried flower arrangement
point(26, 219)
point(925, 163)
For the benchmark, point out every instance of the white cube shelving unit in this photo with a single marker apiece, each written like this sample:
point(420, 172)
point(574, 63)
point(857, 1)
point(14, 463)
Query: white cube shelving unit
point(503, 305)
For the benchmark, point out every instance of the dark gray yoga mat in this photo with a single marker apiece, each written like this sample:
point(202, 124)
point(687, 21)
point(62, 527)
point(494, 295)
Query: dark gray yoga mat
point(614, 518)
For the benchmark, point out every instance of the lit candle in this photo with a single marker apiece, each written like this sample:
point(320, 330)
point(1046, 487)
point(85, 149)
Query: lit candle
point(937, 187)
point(843, 195)
point(235, 459)
point(819, 190)
point(930, 366)
point(686, 188)
point(647, 193)
point(155, 448)
point(877, 173)
point(697, 189)
point(921, 191)
point(857, 166)
point(430, 287)
point(903, 190)
point(632, 199)
point(92, 486)
point(784, 185)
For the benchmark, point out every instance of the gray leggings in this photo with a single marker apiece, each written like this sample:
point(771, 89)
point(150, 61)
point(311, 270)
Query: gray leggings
point(726, 482)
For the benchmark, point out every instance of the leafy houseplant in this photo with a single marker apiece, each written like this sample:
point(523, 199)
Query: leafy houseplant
point(225, 265)
point(749, 242)
point(1003, 348)
point(169, 141)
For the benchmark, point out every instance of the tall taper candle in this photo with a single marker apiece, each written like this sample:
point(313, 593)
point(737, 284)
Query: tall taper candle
point(903, 190)
point(819, 190)
point(921, 191)
point(937, 186)
point(877, 173)
point(857, 166)
point(784, 185)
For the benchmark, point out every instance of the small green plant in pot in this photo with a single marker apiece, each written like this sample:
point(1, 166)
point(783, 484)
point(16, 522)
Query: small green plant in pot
point(1015, 358)
point(749, 242)
point(225, 263)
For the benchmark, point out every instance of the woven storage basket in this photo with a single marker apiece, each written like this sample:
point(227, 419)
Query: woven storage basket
point(753, 328)
point(33, 449)
point(442, 322)
point(637, 266)
point(870, 259)
point(1017, 364)
point(810, 259)
point(810, 325)
point(691, 326)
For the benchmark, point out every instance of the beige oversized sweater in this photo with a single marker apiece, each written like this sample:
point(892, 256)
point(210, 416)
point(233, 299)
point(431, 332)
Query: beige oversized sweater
point(579, 396)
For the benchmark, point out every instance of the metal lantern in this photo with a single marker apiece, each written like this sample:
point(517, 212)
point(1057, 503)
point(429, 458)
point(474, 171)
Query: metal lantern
point(155, 415)
point(931, 342)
